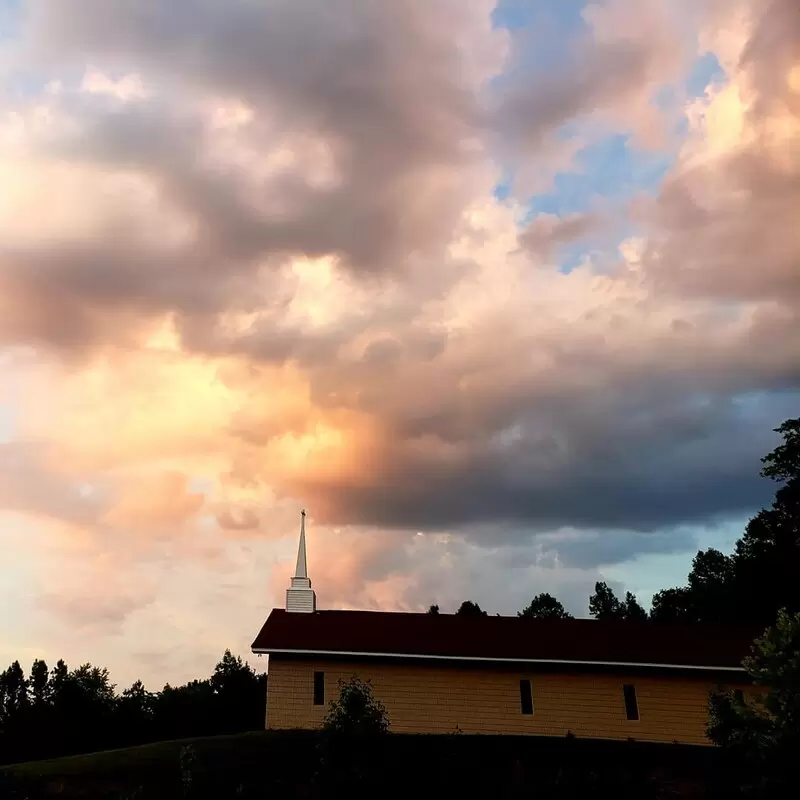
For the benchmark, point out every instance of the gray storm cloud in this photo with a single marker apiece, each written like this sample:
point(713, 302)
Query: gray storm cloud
point(598, 419)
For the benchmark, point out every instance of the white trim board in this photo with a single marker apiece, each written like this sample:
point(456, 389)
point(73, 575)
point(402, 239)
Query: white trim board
point(261, 651)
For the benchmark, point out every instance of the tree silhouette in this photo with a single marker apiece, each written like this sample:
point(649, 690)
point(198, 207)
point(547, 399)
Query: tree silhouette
point(764, 732)
point(72, 711)
point(434, 609)
point(239, 692)
point(470, 609)
point(14, 700)
point(783, 463)
point(58, 678)
point(356, 712)
point(760, 577)
point(633, 608)
point(38, 682)
point(604, 604)
point(135, 712)
point(545, 606)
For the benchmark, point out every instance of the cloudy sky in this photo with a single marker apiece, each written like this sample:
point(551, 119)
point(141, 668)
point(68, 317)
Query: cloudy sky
point(508, 297)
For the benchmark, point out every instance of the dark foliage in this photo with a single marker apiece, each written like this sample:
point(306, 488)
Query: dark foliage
point(63, 711)
point(761, 733)
point(356, 712)
point(760, 577)
point(604, 604)
point(470, 609)
point(633, 608)
point(351, 749)
point(747, 587)
point(545, 606)
point(287, 764)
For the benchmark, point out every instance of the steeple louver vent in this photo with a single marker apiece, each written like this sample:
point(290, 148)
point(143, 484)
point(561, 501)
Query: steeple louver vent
point(300, 597)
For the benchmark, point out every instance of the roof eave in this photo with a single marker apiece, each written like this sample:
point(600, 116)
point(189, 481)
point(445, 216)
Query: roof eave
point(493, 660)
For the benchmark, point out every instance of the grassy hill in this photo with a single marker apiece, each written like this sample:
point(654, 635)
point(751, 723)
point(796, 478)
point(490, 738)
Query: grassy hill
point(219, 763)
point(294, 765)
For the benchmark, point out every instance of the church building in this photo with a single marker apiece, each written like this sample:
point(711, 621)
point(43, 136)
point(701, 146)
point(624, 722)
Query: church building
point(445, 673)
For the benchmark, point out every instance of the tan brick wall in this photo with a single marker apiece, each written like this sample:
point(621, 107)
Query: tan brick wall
point(433, 699)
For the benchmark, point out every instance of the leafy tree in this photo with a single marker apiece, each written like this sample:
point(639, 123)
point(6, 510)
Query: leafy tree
point(766, 559)
point(545, 606)
point(349, 768)
point(633, 608)
point(72, 711)
point(135, 712)
point(239, 694)
point(93, 684)
point(711, 587)
point(227, 671)
point(783, 463)
point(765, 732)
point(434, 609)
point(671, 605)
point(58, 677)
point(356, 712)
point(604, 604)
point(760, 577)
point(470, 609)
point(85, 704)
point(183, 711)
point(139, 696)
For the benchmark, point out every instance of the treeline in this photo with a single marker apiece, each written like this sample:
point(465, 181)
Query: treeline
point(748, 586)
point(60, 711)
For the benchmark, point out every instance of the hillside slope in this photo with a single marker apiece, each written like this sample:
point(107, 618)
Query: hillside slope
point(162, 769)
point(295, 765)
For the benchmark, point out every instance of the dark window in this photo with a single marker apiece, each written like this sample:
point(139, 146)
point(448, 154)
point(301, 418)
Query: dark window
point(738, 696)
point(631, 706)
point(525, 697)
point(319, 688)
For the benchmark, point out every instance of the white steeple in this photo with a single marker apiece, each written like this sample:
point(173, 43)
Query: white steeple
point(301, 568)
point(300, 597)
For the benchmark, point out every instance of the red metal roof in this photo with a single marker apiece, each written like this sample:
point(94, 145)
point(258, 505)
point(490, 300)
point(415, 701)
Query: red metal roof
point(505, 638)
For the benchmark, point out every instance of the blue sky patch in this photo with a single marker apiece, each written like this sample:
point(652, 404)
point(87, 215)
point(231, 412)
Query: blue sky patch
point(706, 70)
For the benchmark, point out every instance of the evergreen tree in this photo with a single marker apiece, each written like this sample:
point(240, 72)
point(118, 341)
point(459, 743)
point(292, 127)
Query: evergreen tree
point(16, 698)
point(38, 682)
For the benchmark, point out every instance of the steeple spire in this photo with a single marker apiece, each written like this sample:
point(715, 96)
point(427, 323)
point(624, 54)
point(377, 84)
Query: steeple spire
point(301, 570)
point(300, 597)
